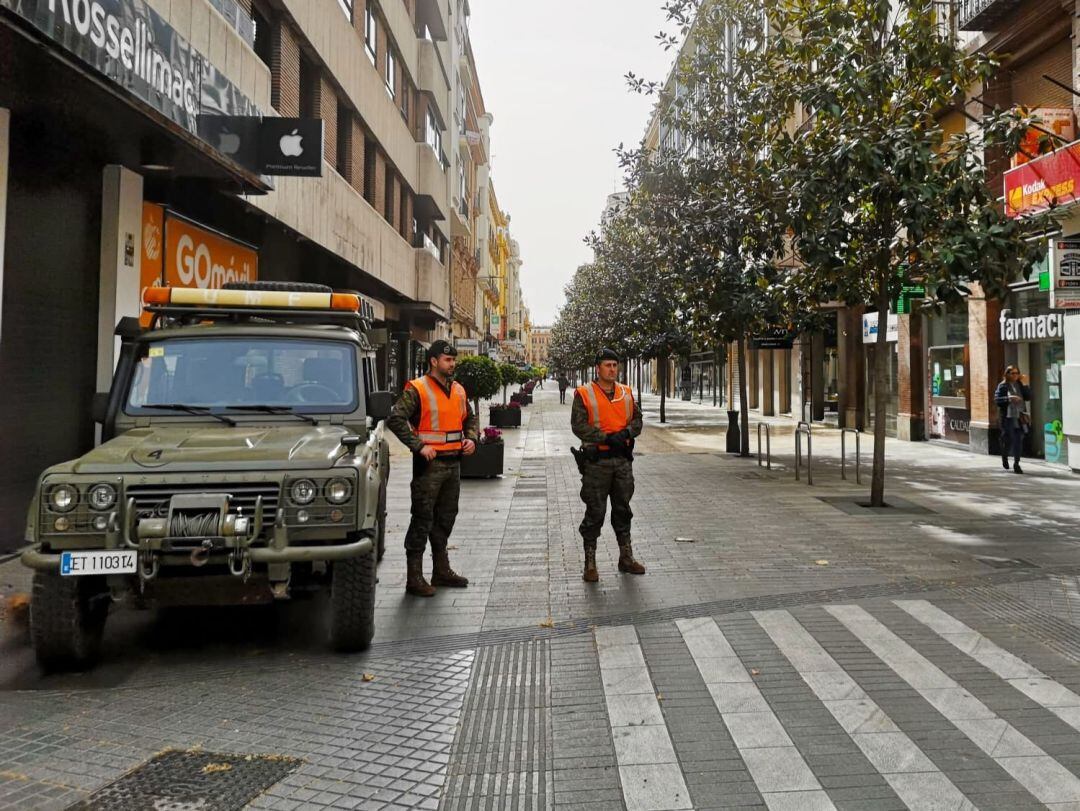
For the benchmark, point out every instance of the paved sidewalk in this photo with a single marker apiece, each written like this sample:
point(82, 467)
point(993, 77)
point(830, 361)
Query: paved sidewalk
point(787, 649)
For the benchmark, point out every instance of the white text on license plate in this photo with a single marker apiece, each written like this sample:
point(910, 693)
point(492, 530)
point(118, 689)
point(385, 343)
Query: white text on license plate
point(112, 562)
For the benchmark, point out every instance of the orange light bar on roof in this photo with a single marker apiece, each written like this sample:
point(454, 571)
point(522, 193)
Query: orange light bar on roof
point(263, 299)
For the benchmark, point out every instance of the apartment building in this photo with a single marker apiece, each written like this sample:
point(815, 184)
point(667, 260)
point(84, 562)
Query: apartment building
point(110, 182)
point(539, 346)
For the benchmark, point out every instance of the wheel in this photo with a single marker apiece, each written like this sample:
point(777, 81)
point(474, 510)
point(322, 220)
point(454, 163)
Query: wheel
point(282, 287)
point(380, 530)
point(67, 620)
point(352, 603)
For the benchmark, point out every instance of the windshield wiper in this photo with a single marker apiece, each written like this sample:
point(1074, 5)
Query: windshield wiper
point(269, 409)
point(198, 411)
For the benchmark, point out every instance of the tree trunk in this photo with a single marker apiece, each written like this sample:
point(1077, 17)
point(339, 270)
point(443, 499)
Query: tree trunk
point(744, 401)
point(662, 360)
point(639, 380)
point(881, 359)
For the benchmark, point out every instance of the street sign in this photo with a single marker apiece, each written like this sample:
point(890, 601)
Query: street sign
point(1065, 273)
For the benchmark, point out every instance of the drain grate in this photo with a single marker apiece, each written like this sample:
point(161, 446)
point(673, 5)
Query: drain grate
point(190, 781)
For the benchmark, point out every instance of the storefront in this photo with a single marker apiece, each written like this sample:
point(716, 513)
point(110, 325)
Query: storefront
point(1033, 336)
point(948, 364)
point(706, 382)
point(892, 370)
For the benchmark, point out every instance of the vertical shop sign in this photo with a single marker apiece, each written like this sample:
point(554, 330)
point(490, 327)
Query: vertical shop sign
point(153, 244)
point(1065, 273)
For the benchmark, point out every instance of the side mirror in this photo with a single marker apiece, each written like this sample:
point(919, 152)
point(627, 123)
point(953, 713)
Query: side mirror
point(99, 407)
point(379, 404)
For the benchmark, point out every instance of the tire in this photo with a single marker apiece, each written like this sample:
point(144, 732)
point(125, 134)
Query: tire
point(352, 603)
point(280, 287)
point(67, 620)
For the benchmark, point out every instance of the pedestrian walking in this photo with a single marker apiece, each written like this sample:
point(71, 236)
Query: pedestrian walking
point(606, 419)
point(1012, 396)
point(564, 384)
point(434, 420)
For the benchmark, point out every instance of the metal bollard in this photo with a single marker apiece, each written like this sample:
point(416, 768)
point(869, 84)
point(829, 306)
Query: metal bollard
point(800, 429)
point(768, 446)
point(843, 453)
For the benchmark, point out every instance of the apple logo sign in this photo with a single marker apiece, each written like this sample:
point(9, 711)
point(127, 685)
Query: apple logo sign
point(291, 144)
point(228, 142)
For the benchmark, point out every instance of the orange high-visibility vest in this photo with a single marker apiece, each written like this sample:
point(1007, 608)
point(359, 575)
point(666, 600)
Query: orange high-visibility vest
point(610, 416)
point(442, 418)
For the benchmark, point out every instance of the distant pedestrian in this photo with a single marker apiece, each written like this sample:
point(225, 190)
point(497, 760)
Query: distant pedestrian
point(564, 384)
point(1012, 396)
point(606, 420)
point(434, 420)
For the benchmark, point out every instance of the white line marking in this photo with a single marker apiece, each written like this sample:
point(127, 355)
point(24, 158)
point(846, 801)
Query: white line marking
point(778, 769)
point(1030, 766)
point(889, 750)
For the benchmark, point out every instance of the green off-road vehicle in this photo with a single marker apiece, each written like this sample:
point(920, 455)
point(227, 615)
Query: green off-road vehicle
point(244, 458)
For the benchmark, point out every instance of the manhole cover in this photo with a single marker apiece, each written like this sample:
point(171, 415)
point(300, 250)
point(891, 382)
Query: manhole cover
point(190, 781)
point(1005, 563)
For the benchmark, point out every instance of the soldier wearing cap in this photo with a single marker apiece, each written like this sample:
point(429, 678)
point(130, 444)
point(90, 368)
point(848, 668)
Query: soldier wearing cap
point(433, 418)
point(606, 420)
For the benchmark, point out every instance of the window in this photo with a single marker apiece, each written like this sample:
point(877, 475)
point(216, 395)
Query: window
point(347, 7)
point(405, 92)
point(264, 46)
point(391, 73)
point(309, 84)
point(432, 134)
point(371, 35)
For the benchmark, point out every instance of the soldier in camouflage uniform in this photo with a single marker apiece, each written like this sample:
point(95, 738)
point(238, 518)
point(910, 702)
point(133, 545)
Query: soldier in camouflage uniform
point(606, 419)
point(434, 420)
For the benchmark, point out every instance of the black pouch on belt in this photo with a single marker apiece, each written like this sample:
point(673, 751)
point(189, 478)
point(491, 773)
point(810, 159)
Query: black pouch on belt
point(579, 458)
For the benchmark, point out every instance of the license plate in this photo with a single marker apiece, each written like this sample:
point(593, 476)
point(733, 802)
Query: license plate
point(111, 562)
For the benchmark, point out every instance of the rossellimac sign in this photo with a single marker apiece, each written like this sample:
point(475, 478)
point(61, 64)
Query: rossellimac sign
point(130, 44)
point(1043, 327)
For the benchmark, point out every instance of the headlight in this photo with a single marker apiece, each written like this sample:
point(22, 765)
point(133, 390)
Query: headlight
point(101, 496)
point(63, 497)
point(338, 491)
point(303, 491)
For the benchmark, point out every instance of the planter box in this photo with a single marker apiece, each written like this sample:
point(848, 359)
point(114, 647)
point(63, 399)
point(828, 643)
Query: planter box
point(486, 463)
point(505, 417)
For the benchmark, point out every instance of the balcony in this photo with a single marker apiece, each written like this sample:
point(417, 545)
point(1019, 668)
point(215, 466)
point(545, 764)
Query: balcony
point(432, 287)
point(432, 185)
point(432, 78)
point(460, 224)
point(983, 15)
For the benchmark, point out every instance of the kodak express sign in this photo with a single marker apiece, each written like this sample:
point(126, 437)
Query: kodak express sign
point(1050, 180)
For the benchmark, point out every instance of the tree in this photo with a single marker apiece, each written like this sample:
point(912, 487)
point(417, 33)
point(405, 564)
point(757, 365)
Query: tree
point(479, 374)
point(879, 196)
point(508, 374)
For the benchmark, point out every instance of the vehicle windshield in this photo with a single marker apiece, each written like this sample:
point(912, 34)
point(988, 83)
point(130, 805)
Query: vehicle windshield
point(317, 376)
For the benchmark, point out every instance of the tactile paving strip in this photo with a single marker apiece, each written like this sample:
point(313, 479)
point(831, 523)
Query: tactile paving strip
point(190, 781)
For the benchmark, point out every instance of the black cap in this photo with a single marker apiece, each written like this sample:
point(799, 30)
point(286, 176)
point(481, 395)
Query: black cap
point(441, 348)
point(607, 354)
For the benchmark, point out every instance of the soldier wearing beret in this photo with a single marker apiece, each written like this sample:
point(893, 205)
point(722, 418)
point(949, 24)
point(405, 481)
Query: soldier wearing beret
point(434, 420)
point(606, 420)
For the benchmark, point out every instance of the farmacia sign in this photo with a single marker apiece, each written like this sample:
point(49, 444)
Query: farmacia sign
point(132, 45)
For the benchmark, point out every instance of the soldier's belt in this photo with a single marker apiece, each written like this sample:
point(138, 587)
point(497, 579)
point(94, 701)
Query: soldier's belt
point(430, 438)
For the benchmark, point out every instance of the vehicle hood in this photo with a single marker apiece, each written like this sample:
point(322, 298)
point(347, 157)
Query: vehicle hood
point(186, 448)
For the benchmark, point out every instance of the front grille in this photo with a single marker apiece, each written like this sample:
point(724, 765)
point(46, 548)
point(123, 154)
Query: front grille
point(152, 500)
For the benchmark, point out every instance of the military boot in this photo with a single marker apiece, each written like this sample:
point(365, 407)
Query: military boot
point(590, 575)
point(415, 583)
point(442, 574)
point(626, 560)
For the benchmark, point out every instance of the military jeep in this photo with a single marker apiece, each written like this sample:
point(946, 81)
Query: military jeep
point(244, 458)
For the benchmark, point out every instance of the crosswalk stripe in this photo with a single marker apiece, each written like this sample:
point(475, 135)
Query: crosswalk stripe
point(648, 769)
point(782, 776)
point(1029, 680)
point(913, 776)
point(1029, 765)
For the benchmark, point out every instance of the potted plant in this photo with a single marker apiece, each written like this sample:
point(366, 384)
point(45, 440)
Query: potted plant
point(510, 375)
point(479, 374)
point(487, 462)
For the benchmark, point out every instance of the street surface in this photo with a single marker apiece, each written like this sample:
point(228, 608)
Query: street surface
point(787, 649)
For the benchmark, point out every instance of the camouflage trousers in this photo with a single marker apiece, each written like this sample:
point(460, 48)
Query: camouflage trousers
point(436, 486)
point(607, 479)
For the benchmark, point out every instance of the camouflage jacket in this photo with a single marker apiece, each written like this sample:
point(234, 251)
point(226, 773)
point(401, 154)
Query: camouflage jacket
point(583, 429)
point(405, 416)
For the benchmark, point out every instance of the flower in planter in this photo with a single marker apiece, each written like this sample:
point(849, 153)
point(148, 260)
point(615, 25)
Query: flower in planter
point(491, 436)
point(514, 404)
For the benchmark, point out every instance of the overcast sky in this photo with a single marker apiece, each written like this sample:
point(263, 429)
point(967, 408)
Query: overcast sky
point(552, 75)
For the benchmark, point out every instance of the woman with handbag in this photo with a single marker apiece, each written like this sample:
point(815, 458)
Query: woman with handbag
point(1011, 396)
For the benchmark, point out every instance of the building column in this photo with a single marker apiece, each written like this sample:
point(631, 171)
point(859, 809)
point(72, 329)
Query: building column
point(120, 282)
point(911, 371)
point(986, 360)
point(5, 135)
point(768, 407)
point(852, 382)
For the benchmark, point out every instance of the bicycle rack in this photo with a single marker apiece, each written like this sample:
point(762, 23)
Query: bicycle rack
point(768, 446)
point(800, 429)
point(843, 453)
